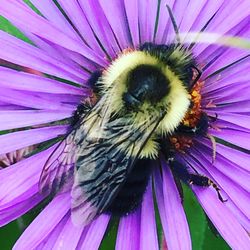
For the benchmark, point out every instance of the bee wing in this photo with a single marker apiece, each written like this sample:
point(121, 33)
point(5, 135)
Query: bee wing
point(59, 166)
point(103, 165)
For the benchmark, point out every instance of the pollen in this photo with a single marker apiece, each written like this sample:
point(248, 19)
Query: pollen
point(193, 116)
point(182, 142)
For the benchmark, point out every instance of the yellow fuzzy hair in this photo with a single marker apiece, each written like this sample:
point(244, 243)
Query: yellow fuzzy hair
point(176, 102)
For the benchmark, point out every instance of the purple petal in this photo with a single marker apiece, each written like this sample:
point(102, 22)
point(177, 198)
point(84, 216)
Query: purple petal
point(100, 26)
point(21, 177)
point(193, 9)
point(179, 10)
point(222, 218)
point(164, 22)
point(238, 138)
point(229, 169)
point(24, 17)
point(147, 18)
point(69, 236)
point(242, 107)
point(238, 213)
point(237, 119)
point(116, 16)
point(129, 232)
point(200, 16)
point(31, 100)
point(225, 94)
point(223, 23)
point(17, 140)
point(91, 239)
point(22, 118)
point(149, 239)
point(239, 158)
point(132, 12)
point(13, 212)
point(53, 14)
point(51, 239)
point(19, 52)
point(19, 190)
point(233, 190)
point(173, 218)
point(234, 75)
point(76, 15)
point(23, 81)
point(39, 229)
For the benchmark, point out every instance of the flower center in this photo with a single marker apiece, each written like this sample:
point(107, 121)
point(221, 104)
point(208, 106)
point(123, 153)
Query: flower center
point(182, 141)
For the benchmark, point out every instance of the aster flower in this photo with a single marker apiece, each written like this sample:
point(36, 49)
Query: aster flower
point(72, 39)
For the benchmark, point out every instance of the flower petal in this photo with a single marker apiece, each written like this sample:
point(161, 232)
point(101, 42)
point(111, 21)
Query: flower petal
point(13, 212)
point(17, 140)
point(19, 52)
point(17, 80)
point(238, 138)
point(116, 16)
point(222, 218)
point(173, 218)
point(52, 13)
point(69, 236)
point(31, 100)
point(149, 239)
point(22, 118)
point(24, 17)
point(132, 13)
point(91, 239)
point(39, 229)
point(51, 239)
point(129, 232)
point(77, 17)
point(100, 26)
point(233, 190)
point(21, 177)
point(147, 19)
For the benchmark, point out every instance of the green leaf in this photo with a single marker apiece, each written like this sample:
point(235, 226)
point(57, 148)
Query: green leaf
point(6, 26)
point(203, 238)
point(11, 232)
point(196, 219)
point(109, 239)
point(211, 241)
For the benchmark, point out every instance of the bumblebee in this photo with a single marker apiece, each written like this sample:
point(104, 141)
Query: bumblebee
point(138, 103)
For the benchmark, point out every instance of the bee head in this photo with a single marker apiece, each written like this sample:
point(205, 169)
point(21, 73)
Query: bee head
point(145, 83)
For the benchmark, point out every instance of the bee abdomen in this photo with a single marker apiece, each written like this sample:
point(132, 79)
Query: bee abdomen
point(131, 194)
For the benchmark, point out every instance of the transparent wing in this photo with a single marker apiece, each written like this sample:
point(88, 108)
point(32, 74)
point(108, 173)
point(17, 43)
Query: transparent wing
point(103, 163)
point(59, 168)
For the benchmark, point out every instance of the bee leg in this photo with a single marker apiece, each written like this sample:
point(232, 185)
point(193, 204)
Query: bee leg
point(204, 181)
point(181, 171)
point(199, 130)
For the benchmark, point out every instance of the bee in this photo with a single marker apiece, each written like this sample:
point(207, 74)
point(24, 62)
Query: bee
point(138, 102)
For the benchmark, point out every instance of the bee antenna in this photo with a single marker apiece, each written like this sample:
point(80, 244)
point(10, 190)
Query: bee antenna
point(176, 29)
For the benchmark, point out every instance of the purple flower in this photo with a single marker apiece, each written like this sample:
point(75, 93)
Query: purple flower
point(67, 45)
